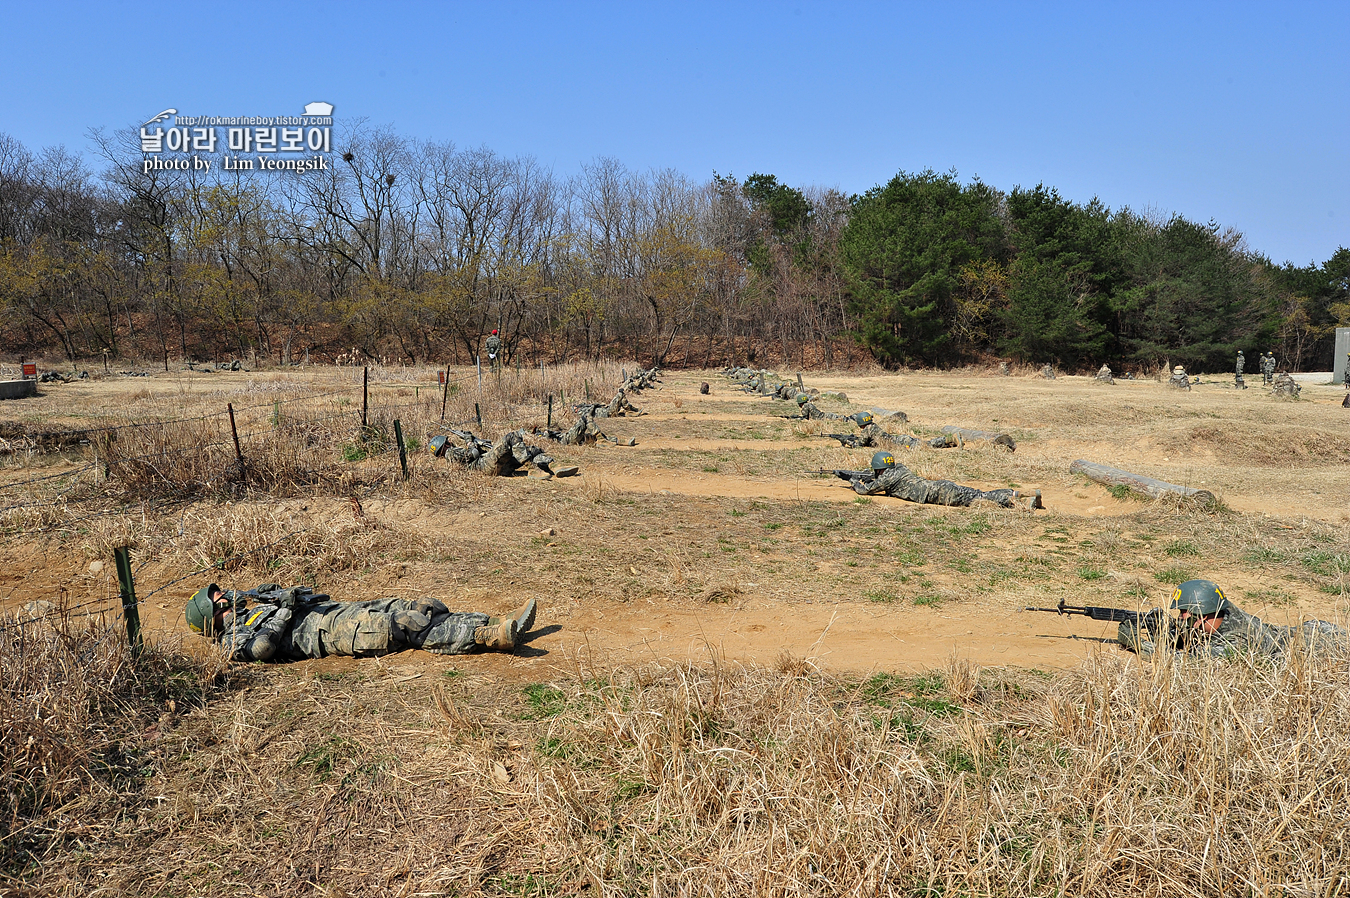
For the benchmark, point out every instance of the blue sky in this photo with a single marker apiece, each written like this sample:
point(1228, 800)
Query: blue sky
point(1227, 111)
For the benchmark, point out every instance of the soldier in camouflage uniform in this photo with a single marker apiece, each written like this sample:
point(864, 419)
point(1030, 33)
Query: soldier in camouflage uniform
point(1179, 379)
point(1241, 365)
point(493, 345)
point(1267, 368)
point(889, 478)
point(1211, 626)
point(585, 432)
point(1285, 387)
point(812, 413)
point(872, 436)
point(1104, 374)
point(501, 459)
point(294, 623)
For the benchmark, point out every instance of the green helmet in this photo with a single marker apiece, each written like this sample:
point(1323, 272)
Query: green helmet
point(883, 460)
point(862, 419)
point(1200, 597)
point(802, 399)
point(200, 611)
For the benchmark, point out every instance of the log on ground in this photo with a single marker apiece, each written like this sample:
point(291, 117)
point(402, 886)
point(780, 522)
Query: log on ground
point(1137, 482)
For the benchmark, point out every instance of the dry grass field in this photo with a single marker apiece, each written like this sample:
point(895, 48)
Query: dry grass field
point(744, 679)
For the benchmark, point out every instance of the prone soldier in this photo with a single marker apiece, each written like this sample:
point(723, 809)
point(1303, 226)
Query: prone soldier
point(1208, 624)
point(294, 623)
point(889, 478)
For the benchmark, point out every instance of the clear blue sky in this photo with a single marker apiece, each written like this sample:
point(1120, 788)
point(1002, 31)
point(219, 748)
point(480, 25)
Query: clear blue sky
point(1232, 111)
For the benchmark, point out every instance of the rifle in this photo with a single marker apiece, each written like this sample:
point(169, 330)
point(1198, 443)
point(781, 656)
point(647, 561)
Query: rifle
point(842, 474)
point(846, 440)
point(275, 594)
point(1100, 613)
point(469, 438)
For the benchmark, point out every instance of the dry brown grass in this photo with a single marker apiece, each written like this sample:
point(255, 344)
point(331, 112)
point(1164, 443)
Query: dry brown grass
point(1120, 779)
point(78, 718)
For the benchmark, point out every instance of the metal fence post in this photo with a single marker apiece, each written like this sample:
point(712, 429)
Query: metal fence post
point(402, 452)
point(445, 394)
point(130, 611)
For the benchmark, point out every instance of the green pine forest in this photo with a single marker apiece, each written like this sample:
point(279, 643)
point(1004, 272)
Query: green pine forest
point(411, 251)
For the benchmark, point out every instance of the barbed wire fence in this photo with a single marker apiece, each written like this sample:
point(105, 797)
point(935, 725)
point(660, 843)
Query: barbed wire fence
point(199, 458)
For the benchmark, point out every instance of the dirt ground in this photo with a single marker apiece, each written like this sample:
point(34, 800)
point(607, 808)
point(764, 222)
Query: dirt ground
point(711, 540)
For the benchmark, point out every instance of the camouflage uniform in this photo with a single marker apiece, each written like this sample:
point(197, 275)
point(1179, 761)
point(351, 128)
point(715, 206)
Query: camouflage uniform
point(902, 483)
point(358, 629)
point(1241, 364)
point(1179, 379)
point(872, 436)
point(1048, 372)
point(501, 458)
point(585, 432)
point(1104, 374)
point(1286, 387)
point(1239, 635)
point(811, 412)
point(1267, 368)
point(493, 345)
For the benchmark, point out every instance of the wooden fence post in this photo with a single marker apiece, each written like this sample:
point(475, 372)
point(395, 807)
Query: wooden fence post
point(234, 432)
point(365, 394)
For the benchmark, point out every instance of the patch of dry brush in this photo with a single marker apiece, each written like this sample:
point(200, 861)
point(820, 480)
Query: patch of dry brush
point(1118, 779)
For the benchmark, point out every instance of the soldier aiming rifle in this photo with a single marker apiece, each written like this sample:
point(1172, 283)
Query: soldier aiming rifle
point(1207, 624)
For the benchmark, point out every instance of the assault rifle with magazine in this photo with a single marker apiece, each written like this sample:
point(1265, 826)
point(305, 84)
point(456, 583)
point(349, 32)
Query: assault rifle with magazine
point(1097, 612)
point(843, 474)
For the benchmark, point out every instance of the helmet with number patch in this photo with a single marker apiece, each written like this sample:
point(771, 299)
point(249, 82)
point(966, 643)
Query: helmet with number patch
point(862, 419)
point(201, 611)
point(1201, 598)
point(883, 460)
point(802, 399)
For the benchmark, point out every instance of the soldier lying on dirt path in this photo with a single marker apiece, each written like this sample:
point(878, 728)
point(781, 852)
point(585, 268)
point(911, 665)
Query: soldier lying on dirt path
point(270, 623)
point(501, 459)
point(890, 478)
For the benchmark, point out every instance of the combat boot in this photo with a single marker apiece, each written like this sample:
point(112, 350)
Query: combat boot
point(524, 618)
point(501, 636)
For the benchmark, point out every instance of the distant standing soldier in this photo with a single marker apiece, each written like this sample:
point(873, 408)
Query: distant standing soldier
point(493, 345)
point(1345, 379)
point(1104, 374)
point(1267, 368)
point(1241, 363)
point(1048, 372)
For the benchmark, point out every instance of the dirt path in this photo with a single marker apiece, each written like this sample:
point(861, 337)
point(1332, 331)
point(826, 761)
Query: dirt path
point(1268, 461)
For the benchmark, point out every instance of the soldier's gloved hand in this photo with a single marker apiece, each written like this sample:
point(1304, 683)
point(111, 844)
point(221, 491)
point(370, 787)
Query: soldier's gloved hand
point(1156, 624)
point(292, 596)
point(237, 600)
point(267, 587)
point(430, 607)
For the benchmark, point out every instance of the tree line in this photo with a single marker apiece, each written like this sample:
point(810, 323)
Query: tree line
point(414, 250)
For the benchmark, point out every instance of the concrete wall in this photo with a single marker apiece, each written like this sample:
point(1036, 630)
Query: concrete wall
point(17, 389)
point(1338, 358)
